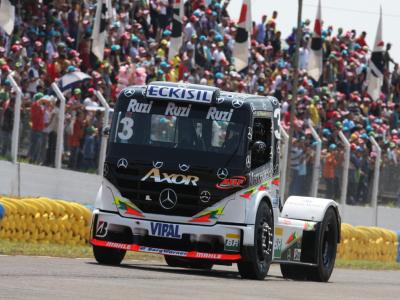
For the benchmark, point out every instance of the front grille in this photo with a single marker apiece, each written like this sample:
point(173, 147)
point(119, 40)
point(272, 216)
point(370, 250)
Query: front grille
point(145, 195)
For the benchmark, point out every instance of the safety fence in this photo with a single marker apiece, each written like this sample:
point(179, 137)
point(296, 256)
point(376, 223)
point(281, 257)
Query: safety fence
point(20, 142)
point(360, 177)
point(57, 221)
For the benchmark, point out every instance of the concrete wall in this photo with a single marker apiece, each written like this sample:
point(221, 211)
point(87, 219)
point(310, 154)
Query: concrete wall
point(82, 187)
point(387, 217)
point(49, 182)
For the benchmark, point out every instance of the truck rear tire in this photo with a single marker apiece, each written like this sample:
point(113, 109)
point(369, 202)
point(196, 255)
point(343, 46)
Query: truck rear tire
point(326, 253)
point(108, 256)
point(256, 259)
point(179, 262)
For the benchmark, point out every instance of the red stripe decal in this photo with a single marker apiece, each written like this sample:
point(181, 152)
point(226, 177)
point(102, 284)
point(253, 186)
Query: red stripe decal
point(190, 254)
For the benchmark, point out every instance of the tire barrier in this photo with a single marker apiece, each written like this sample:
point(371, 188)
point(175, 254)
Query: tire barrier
point(1, 212)
point(63, 222)
point(368, 243)
point(44, 220)
point(398, 246)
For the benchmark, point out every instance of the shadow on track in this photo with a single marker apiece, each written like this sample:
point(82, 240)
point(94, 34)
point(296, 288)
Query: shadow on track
point(184, 271)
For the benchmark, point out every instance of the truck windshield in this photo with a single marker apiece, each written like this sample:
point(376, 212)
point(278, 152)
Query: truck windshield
point(179, 132)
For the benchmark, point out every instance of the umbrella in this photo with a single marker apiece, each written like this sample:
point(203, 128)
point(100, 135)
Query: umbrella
point(70, 80)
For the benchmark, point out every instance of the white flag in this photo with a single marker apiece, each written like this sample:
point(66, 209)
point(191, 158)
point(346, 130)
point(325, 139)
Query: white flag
point(7, 16)
point(315, 66)
point(242, 39)
point(376, 64)
point(176, 36)
point(103, 14)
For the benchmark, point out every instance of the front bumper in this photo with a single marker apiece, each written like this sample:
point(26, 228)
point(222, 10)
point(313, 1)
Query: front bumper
point(217, 242)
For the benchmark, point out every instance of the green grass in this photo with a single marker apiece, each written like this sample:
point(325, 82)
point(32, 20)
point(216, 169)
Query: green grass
point(366, 265)
point(56, 250)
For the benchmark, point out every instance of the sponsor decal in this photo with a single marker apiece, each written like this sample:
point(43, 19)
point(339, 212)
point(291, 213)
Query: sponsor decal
point(130, 208)
point(232, 242)
point(278, 247)
point(208, 255)
point(101, 230)
point(179, 93)
point(297, 254)
point(168, 198)
point(222, 173)
point(177, 111)
point(148, 198)
point(184, 167)
point(165, 230)
point(122, 163)
point(262, 175)
point(129, 92)
point(205, 196)
point(207, 215)
point(219, 115)
point(118, 245)
point(278, 231)
point(163, 251)
point(139, 107)
point(170, 178)
point(231, 183)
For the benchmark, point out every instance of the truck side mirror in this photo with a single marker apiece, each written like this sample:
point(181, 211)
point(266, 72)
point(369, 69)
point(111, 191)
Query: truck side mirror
point(106, 131)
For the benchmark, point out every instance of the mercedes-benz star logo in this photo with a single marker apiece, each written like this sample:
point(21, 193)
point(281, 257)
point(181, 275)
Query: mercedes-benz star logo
point(222, 173)
point(129, 93)
point(205, 196)
point(236, 103)
point(168, 198)
point(158, 164)
point(184, 167)
point(122, 163)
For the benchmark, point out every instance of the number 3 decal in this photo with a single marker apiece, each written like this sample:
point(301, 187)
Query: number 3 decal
point(127, 131)
point(277, 121)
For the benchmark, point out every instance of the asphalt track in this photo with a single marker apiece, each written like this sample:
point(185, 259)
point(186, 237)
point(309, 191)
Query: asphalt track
point(23, 277)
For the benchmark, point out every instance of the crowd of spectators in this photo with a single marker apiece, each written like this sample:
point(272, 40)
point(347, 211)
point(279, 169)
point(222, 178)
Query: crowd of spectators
point(52, 38)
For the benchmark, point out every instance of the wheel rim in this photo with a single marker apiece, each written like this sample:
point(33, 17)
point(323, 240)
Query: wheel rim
point(327, 246)
point(264, 248)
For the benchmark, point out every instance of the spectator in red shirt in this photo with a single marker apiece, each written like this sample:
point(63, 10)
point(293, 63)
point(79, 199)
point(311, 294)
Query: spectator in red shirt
point(361, 39)
point(37, 126)
point(74, 141)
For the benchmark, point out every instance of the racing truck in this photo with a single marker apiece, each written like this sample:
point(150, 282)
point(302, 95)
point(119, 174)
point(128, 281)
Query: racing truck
point(192, 173)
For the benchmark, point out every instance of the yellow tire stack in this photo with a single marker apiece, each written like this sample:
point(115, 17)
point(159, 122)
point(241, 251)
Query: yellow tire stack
point(44, 220)
point(367, 243)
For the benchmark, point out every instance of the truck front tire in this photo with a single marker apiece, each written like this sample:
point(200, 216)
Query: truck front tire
point(256, 259)
point(108, 256)
point(326, 253)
